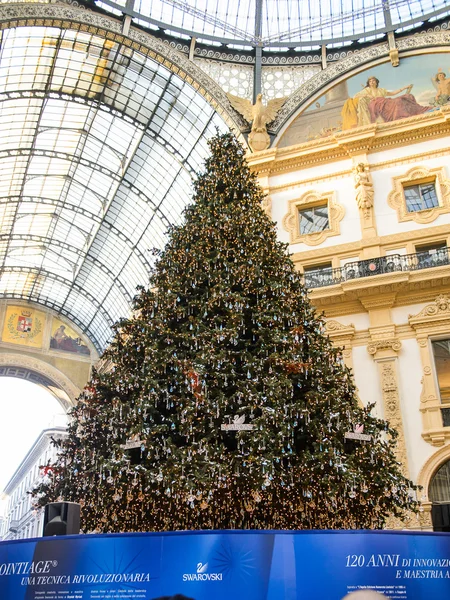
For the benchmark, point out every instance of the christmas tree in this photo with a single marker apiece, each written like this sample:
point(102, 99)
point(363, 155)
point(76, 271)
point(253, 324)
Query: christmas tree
point(226, 405)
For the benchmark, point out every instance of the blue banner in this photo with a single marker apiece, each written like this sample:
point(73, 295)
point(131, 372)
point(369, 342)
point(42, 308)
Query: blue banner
point(227, 565)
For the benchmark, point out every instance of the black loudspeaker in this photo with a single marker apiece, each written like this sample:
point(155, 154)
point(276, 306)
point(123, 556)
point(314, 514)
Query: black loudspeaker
point(61, 518)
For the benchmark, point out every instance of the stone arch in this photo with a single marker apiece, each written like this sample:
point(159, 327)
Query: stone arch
point(430, 468)
point(14, 364)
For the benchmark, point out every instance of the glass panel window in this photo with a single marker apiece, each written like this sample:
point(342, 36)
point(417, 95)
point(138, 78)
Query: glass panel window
point(420, 197)
point(313, 219)
point(441, 351)
point(440, 485)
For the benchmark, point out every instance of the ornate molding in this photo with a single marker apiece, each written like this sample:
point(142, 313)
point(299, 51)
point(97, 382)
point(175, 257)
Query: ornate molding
point(392, 411)
point(396, 198)
point(421, 520)
point(70, 392)
point(341, 146)
point(388, 344)
point(432, 314)
point(291, 221)
point(433, 319)
point(334, 328)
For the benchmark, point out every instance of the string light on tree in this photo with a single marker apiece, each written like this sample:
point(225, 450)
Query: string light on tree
point(225, 331)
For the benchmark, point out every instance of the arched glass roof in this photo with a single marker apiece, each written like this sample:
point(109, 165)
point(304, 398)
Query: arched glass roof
point(98, 146)
point(100, 139)
point(280, 22)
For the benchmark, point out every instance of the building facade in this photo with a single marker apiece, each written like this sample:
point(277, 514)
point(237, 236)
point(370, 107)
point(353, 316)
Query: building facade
point(20, 519)
point(107, 112)
point(366, 215)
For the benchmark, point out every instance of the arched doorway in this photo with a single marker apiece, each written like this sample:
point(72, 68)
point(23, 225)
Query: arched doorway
point(439, 495)
point(32, 416)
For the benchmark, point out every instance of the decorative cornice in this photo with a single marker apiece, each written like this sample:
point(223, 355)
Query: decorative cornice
point(346, 144)
point(379, 166)
point(389, 344)
point(336, 329)
point(437, 312)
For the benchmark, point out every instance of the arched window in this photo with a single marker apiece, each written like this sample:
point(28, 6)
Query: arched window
point(439, 494)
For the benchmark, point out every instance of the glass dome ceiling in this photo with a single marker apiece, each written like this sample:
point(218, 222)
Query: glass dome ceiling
point(99, 143)
point(271, 23)
point(98, 147)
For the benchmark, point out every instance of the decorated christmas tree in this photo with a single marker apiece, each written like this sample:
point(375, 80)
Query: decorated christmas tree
point(226, 406)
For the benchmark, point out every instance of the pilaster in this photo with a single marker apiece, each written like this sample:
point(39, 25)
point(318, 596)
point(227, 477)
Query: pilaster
point(384, 351)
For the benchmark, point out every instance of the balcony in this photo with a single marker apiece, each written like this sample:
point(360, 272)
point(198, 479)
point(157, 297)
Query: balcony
point(377, 266)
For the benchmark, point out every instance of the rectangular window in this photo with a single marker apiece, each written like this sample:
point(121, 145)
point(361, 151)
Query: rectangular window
point(441, 352)
point(313, 219)
point(420, 197)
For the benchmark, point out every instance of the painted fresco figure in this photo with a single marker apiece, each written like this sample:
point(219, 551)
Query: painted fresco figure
point(61, 341)
point(442, 86)
point(374, 104)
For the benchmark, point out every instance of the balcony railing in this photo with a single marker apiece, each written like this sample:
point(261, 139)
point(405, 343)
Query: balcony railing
point(377, 266)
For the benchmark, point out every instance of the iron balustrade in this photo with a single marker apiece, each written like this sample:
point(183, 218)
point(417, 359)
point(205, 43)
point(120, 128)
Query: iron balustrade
point(377, 266)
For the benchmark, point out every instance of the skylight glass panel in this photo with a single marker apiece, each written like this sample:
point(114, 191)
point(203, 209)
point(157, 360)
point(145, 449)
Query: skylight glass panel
point(97, 282)
point(115, 303)
point(25, 61)
point(58, 139)
point(16, 283)
point(65, 231)
point(114, 11)
point(87, 199)
point(402, 10)
point(36, 224)
point(100, 329)
point(82, 64)
point(18, 121)
point(41, 186)
point(78, 304)
point(304, 20)
point(230, 19)
point(133, 273)
point(65, 114)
